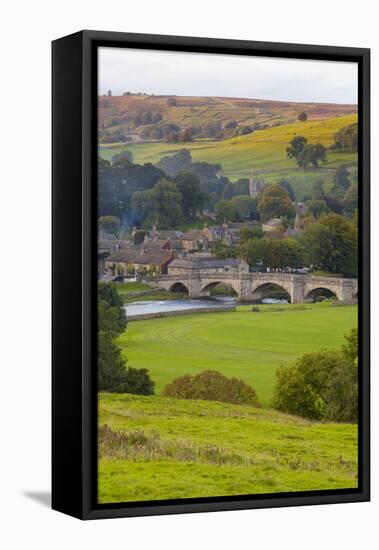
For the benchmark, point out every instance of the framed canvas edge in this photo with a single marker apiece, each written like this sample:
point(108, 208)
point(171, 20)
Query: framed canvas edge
point(90, 41)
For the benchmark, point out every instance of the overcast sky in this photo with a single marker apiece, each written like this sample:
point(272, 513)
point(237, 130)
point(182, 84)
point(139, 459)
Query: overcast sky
point(198, 74)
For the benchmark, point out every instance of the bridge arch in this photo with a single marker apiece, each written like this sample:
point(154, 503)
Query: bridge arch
point(178, 286)
point(209, 286)
point(320, 293)
point(271, 290)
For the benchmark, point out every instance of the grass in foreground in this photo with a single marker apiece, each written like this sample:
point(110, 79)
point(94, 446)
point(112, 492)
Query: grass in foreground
point(247, 345)
point(162, 448)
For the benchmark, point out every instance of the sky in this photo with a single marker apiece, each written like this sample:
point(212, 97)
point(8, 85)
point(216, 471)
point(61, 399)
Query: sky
point(199, 74)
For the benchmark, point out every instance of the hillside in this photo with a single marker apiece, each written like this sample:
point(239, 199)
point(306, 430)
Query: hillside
point(263, 150)
point(160, 448)
point(132, 114)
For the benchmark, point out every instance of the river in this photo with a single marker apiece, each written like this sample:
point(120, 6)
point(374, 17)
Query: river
point(149, 307)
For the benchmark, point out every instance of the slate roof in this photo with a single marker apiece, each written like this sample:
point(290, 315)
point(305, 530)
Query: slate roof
point(150, 257)
point(193, 234)
point(205, 263)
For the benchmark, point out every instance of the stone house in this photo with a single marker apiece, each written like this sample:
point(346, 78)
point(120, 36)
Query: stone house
point(145, 261)
point(195, 239)
point(207, 265)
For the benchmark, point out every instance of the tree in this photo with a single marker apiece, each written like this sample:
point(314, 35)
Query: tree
point(113, 375)
point(312, 154)
point(321, 385)
point(317, 208)
point(248, 233)
point(160, 205)
point(288, 187)
point(109, 224)
point(107, 293)
point(252, 251)
point(275, 202)
point(302, 116)
point(296, 146)
point(123, 156)
point(178, 162)
point(318, 189)
point(193, 196)
point(346, 139)
point(226, 212)
point(246, 206)
point(350, 200)
point(211, 386)
point(341, 181)
point(222, 250)
point(109, 93)
point(331, 245)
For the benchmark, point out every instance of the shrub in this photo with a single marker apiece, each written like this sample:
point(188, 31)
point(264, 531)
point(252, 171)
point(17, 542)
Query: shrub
point(211, 385)
point(321, 385)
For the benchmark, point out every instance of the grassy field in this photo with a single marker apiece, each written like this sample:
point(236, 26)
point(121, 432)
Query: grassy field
point(248, 345)
point(162, 448)
point(264, 151)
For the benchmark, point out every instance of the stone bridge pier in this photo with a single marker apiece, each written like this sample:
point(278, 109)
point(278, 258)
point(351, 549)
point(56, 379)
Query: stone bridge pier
point(255, 286)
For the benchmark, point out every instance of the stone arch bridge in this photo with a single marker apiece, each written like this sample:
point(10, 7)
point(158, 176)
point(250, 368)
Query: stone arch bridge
point(255, 286)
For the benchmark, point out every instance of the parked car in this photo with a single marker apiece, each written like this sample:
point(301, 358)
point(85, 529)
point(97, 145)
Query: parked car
point(119, 279)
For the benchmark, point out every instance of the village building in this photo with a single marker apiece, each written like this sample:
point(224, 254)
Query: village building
point(130, 262)
point(273, 224)
point(195, 239)
point(207, 265)
point(110, 243)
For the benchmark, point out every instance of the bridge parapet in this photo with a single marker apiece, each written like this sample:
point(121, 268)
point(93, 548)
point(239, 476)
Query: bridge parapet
point(298, 286)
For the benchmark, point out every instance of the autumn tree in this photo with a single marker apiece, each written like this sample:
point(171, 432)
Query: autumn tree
point(275, 202)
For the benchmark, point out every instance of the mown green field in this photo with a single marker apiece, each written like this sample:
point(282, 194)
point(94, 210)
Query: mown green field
point(172, 448)
point(244, 344)
point(264, 151)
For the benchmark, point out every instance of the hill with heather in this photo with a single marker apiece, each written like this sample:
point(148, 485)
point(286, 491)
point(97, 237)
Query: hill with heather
point(140, 117)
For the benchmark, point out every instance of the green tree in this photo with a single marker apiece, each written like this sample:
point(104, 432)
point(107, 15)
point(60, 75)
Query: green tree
point(226, 212)
point(252, 251)
point(288, 187)
point(275, 202)
point(123, 156)
point(346, 139)
point(350, 200)
point(222, 250)
point(321, 385)
point(113, 375)
point(331, 245)
point(341, 181)
point(160, 205)
point(318, 189)
point(312, 154)
point(296, 146)
point(193, 196)
point(248, 233)
point(246, 206)
point(109, 224)
point(317, 208)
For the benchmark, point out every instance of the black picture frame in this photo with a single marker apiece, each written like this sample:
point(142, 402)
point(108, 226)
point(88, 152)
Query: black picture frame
point(74, 402)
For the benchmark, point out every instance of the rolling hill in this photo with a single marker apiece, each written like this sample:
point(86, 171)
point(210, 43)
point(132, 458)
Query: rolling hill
point(263, 150)
point(130, 114)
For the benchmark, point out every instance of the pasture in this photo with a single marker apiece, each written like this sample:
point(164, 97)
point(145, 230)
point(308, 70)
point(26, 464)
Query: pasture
point(263, 150)
point(169, 448)
point(247, 345)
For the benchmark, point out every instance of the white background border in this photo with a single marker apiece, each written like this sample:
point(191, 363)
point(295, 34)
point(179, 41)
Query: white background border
point(25, 133)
